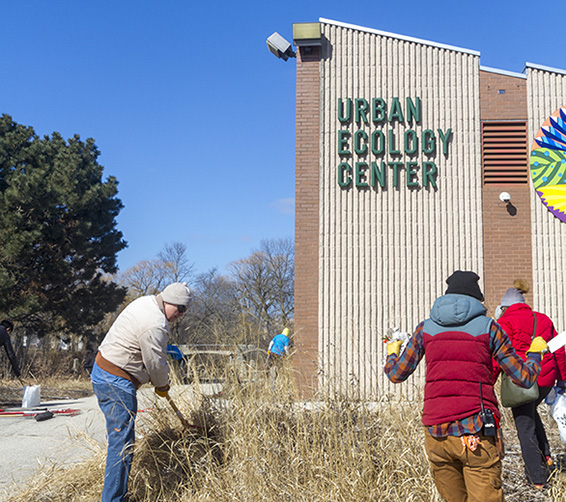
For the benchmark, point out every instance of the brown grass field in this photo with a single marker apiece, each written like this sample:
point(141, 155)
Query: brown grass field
point(256, 442)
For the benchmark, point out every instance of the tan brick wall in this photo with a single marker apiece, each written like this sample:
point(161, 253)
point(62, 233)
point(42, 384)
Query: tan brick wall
point(512, 105)
point(306, 220)
point(507, 227)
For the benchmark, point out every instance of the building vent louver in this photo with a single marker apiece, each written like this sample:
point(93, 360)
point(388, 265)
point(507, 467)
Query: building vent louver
point(504, 153)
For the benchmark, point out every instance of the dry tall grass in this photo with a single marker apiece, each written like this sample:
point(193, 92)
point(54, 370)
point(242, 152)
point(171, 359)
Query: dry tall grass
point(256, 442)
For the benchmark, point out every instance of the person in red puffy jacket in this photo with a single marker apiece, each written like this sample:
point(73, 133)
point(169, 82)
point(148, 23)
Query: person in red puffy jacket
point(518, 320)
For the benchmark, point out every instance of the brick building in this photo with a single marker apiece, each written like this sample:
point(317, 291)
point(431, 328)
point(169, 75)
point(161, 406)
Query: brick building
point(403, 149)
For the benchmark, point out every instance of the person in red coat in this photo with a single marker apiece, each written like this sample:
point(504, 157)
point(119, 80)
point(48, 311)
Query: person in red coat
point(518, 321)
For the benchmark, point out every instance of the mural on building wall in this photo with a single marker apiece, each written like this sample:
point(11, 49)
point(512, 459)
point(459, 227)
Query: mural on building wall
point(548, 163)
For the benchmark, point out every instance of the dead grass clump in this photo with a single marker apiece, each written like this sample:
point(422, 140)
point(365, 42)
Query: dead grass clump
point(276, 448)
point(168, 462)
point(256, 441)
point(79, 483)
point(515, 484)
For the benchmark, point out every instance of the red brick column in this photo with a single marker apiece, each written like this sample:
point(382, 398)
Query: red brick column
point(507, 227)
point(509, 105)
point(507, 241)
point(306, 219)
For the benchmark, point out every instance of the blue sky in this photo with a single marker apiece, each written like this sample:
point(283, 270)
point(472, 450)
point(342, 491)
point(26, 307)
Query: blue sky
point(191, 112)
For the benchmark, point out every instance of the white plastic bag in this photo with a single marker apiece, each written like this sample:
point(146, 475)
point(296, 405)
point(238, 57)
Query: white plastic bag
point(31, 397)
point(394, 335)
point(558, 413)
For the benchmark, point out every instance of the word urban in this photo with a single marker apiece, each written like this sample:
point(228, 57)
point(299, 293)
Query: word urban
point(393, 142)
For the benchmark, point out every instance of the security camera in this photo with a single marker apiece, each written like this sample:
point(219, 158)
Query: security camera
point(504, 197)
point(280, 47)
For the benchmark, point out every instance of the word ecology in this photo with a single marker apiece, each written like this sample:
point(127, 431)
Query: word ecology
point(388, 142)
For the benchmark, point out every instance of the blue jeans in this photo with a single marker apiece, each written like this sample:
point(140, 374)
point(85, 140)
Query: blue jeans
point(119, 408)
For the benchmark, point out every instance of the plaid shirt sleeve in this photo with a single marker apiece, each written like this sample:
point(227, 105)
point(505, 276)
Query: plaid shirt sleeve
point(399, 368)
point(523, 373)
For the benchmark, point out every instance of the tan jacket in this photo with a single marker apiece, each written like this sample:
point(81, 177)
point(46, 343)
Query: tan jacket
point(137, 341)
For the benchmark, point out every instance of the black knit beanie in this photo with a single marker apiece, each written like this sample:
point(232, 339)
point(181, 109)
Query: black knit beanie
point(464, 283)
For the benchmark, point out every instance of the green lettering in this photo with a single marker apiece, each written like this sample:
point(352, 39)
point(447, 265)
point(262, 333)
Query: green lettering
point(444, 137)
point(377, 142)
point(343, 135)
point(378, 113)
point(396, 112)
point(429, 142)
point(392, 150)
point(361, 110)
point(395, 166)
point(429, 173)
point(344, 172)
point(414, 110)
point(361, 148)
point(378, 175)
point(411, 174)
point(361, 175)
point(411, 142)
point(344, 117)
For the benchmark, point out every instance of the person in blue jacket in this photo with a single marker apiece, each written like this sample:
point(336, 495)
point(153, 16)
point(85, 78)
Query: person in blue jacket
point(278, 348)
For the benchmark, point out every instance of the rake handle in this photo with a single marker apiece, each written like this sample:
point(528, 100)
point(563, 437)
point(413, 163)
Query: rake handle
point(178, 413)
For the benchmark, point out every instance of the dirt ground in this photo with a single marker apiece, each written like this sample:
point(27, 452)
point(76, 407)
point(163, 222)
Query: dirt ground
point(515, 486)
point(60, 440)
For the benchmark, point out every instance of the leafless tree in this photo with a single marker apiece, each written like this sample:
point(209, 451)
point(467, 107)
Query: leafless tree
point(264, 283)
point(213, 316)
point(144, 278)
point(245, 306)
point(280, 254)
point(176, 265)
point(148, 277)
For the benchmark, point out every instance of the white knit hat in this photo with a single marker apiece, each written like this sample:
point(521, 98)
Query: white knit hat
point(512, 296)
point(177, 294)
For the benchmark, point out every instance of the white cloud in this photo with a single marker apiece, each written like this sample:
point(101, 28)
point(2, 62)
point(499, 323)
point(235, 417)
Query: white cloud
point(284, 206)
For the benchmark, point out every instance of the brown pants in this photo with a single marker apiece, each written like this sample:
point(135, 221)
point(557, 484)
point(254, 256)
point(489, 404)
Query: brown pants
point(462, 475)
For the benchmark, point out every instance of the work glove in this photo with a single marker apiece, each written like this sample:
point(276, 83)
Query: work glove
point(538, 346)
point(394, 347)
point(162, 391)
point(498, 312)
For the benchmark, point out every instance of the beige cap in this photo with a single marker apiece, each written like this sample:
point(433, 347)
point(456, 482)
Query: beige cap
point(177, 294)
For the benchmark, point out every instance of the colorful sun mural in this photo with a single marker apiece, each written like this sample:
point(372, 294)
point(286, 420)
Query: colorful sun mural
point(548, 163)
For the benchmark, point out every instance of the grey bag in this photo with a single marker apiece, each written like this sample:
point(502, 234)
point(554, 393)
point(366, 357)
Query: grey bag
point(511, 394)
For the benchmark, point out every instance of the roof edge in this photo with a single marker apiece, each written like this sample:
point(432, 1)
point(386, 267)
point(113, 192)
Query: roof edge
point(400, 37)
point(545, 68)
point(503, 72)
